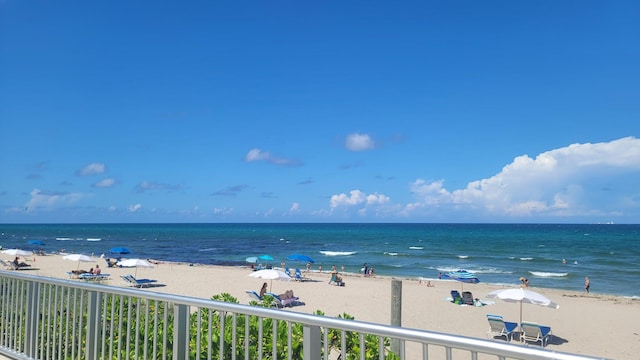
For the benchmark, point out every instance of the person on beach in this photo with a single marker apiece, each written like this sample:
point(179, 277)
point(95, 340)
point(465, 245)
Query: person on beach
point(263, 289)
point(287, 295)
point(97, 270)
point(366, 269)
point(308, 266)
point(525, 282)
point(587, 284)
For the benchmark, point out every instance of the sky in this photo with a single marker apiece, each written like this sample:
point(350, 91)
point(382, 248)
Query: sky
point(332, 111)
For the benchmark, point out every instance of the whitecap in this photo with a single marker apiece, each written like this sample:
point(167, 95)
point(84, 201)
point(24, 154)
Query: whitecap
point(391, 253)
point(526, 258)
point(547, 274)
point(338, 253)
point(416, 247)
point(463, 256)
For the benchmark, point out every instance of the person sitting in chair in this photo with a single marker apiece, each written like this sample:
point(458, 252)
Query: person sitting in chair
point(17, 264)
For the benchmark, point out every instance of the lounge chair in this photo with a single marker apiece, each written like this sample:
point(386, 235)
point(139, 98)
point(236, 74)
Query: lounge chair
point(455, 297)
point(253, 295)
point(534, 332)
point(7, 265)
point(499, 327)
point(139, 283)
point(92, 277)
point(467, 298)
point(299, 276)
point(283, 302)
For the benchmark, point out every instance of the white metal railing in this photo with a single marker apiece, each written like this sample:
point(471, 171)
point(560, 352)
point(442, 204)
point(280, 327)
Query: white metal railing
point(47, 318)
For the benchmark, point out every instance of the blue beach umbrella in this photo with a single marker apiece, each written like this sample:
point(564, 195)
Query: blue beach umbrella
point(463, 276)
point(120, 250)
point(300, 257)
point(265, 257)
point(252, 259)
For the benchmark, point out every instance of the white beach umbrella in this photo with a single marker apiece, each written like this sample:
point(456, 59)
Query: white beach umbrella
point(17, 252)
point(78, 258)
point(271, 274)
point(135, 263)
point(521, 295)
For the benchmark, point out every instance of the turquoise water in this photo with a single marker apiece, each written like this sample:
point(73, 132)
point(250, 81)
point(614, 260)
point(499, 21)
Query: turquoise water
point(496, 253)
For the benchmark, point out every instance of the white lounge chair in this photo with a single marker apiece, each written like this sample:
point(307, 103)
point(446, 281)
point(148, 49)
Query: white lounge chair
point(499, 327)
point(534, 332)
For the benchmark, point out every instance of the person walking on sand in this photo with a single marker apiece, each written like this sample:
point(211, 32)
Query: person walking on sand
point(587, 284)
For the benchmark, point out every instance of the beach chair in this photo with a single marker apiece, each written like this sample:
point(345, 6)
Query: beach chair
point(455, 297)
point(253, 295)
point(467, 298)
point(498, 327)
point(283, 302)
point(534, 332)
point(92, 277)
point(299, 276)
point(139, 283)
point(7, 265)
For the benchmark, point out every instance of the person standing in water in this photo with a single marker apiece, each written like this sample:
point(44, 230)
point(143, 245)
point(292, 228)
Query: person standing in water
point(587, 284)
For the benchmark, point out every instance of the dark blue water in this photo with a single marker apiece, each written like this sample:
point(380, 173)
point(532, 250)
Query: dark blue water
point(496, 253)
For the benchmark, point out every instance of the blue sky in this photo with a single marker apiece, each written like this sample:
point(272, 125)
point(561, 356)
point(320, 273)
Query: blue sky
point(363, 111)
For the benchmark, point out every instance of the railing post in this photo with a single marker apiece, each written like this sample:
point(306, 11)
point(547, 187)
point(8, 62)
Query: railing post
point(94, 311)
point(312, 346)
point(31, 325)
point(180, 332)
point(396, 312)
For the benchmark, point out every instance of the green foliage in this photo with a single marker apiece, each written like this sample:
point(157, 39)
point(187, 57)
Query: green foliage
point(135, 328)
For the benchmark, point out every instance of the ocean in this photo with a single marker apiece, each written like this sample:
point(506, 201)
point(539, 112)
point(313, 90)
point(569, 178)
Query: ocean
point(609, 254)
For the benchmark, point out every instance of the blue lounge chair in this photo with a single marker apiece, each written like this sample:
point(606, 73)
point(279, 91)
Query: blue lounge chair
point(499, 327)
point(139, 283)
point(299, 276)
point(253, 295)
point(534, 332)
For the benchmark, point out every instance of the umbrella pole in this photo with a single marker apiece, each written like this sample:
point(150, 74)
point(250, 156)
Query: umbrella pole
point(520, 324)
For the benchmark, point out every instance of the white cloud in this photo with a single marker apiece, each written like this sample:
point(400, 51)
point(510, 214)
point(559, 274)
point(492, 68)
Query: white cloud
point(256, 154)
point(105, 183)
point(358, 198)
point(92, 169)
point(50, 200)
point(359, 142)
point(134, 208)
point(295, 208)
point(559, 182)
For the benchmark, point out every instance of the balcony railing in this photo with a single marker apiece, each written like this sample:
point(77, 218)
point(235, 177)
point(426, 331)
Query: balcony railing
point(47, 318)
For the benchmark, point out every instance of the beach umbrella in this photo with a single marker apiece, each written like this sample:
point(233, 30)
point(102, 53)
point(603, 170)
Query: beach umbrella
point(271, 274)
point(300, 257)
point(463, 276)
point(521, 295)
point(17, 252)
point(135, 263)
point(78, 258)
point(120, 250)
point(265, 257)
point(36, 242)
point(252, 259)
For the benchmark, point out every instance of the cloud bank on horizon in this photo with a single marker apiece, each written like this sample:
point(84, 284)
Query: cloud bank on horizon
point(579, 181)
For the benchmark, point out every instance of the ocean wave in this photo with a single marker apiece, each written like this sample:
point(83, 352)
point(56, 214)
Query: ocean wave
point(391, 253)
point(94, 239)
point(64, 239)
point(547, 274)
point(526, 258)
point(338, 253)
point(416, 247)
point(463, 256)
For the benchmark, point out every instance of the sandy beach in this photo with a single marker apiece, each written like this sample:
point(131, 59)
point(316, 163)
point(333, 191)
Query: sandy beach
point(590, 324)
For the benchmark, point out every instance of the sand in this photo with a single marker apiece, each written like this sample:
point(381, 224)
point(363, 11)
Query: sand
point(589, 324)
